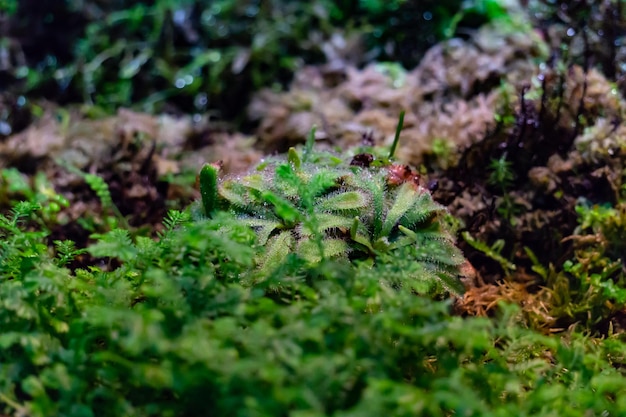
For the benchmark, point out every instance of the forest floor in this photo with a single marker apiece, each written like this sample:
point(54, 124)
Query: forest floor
point(518, 148)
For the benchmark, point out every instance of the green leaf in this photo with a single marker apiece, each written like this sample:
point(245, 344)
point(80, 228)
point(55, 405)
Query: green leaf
point(322, 182)
point(325, 222)
point(276, 251)
point(424, 208)
point(175, 219)
point(349, 200)
point(310, 251)
point(264, 227)
point(406, 197)
point(33, 387)
point(377, 189)
point(294, 158)
point(235, 193)
point(66, 251)
point(310, 143)
point(283, 208)
point(360, 238)
point(537, 266)
point(396, 138)
point(114, 244)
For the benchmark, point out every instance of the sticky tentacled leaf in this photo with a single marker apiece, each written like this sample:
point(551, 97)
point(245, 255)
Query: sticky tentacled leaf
point(343, 201)
point(405, 199)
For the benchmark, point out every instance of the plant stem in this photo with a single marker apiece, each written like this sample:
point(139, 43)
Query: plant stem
point(396, 138)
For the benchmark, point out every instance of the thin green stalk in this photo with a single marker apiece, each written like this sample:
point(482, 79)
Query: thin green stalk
point(310, 142)
point(396, 138)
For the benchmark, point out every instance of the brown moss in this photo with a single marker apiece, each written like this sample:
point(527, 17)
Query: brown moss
point(485, 300)
point(451, 95)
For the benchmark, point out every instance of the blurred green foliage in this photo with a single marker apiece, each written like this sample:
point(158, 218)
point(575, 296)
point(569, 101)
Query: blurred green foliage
point(8, 6)
point(172, 331)
point(15, 186)
point(199, 55)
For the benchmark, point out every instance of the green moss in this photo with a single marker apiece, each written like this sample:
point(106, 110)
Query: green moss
point(176, 329)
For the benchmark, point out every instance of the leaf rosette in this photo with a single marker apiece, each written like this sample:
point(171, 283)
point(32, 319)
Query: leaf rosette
point(318, 206)
point(370, 211)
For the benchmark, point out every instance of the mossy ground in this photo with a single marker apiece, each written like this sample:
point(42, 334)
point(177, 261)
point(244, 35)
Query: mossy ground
point(517, 131)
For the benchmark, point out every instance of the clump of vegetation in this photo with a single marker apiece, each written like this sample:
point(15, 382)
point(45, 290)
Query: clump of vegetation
point(591, 291)
point(544, 223)
point(319, 207)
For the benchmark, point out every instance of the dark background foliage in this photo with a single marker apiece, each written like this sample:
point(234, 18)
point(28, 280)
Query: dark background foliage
point(198, 55)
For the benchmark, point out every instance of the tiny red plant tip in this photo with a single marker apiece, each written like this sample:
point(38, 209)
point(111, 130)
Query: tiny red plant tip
point(399, 174)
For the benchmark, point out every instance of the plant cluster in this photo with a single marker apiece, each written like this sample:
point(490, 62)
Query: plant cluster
point(320, 207)
point(592, 289)
point(545, 219)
